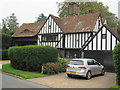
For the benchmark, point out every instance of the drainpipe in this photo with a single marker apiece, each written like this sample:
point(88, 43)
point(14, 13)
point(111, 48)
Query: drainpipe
point(82, 54)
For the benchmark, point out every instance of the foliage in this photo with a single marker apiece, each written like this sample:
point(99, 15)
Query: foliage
point(51, 68)
point(9, 24)
point(31, 57)
point(116, 57)
point(27, 75)
point(4, 26)
point(41, 17)
point(63, 63)
point(55, 68)
point(119, 27)
point(6, 41)
point(0, 28)
point(4, 54)
point(89, 7)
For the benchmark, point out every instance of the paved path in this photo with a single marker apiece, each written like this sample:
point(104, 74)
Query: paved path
point(12, 82)
point(62, 81)
point(4, 62)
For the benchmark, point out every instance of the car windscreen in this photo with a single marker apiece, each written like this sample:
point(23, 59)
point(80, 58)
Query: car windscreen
point(76, 62)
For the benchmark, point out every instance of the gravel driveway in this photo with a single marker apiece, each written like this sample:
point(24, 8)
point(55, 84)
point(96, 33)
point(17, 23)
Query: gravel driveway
point(62, 81)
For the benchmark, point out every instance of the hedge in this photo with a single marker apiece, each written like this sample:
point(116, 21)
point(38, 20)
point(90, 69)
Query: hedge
point(4, 54)
point(6, 41)
point(31, 57)
point(116, 57)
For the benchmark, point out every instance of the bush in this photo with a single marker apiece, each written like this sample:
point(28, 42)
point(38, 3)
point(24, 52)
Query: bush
point(55, 68)
point(6, 41)
point(31, 57)
point(116, 57)
point(51, 68)
point(5, 54)
point(63, 63)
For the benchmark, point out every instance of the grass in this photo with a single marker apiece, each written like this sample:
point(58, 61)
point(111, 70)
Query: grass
point(115, 87)
point(24, 74)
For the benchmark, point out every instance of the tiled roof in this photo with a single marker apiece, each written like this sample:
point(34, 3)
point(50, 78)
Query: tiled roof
point(116, 32)
point(70, 24)
point(82, 23)
point(32, 27)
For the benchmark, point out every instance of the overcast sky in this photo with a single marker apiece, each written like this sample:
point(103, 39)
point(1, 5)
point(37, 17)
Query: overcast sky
point(27, 10)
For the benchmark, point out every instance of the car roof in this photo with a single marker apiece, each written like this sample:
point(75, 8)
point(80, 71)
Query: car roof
point(84, 59)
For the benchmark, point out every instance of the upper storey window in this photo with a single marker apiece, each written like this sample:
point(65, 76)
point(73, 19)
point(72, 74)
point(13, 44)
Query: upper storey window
point(26, 31)
point(50, 37)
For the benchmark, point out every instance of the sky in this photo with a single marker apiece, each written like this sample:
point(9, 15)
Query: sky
point(26, 11)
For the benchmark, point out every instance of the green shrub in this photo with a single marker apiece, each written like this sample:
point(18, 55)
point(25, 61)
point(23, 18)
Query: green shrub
point(4, 54)
point(63, 63)
point(55, 68)
point(31, 57)
point(51, 68)
point(6, 41)
point(116, 57)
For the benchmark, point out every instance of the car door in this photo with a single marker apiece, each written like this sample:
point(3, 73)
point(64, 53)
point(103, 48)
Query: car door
point(92, 66)
point(98, 67)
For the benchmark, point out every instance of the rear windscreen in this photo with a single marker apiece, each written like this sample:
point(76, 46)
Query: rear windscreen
point(76, 62)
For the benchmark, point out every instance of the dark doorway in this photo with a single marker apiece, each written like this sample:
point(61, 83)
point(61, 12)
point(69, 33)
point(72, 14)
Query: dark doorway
point(104, 57)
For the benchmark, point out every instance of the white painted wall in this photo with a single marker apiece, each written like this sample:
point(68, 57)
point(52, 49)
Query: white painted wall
point(109, 44)
point(96, 28)
point(75, 40)
point(54, 30)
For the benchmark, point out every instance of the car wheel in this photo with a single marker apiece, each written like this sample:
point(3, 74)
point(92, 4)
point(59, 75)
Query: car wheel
point(69, 75)
point(103, 72)
point(88, 76)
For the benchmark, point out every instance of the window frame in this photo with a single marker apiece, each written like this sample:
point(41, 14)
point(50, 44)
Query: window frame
point(47, 37)
point(25, 31)
point(103, 36)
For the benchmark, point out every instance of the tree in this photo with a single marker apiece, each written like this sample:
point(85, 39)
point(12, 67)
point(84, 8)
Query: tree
point(4, 26)
point(41, 17)
point(118, 27)
point(9, 24)
point(12, 22)
point(0, 28)
point(89, 7)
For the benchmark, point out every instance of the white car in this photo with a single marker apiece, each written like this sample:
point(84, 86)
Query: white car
point(84, 67)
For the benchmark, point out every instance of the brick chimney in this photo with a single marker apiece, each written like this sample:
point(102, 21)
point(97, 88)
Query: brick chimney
point(74, 8)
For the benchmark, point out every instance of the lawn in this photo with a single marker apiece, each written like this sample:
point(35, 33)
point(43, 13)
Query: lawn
point(115, 87)
point(24, 74)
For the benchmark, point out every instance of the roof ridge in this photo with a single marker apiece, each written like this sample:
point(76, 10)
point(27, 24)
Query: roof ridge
point(34, 22)
point(79, 15)
point(54, 16)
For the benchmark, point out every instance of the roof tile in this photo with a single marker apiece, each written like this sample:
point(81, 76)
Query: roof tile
point(70, 24)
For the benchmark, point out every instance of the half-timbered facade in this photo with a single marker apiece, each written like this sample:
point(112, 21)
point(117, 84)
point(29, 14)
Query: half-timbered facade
point(51, 34)
point(70, 33)
point(101, 45)
point(85, 35)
